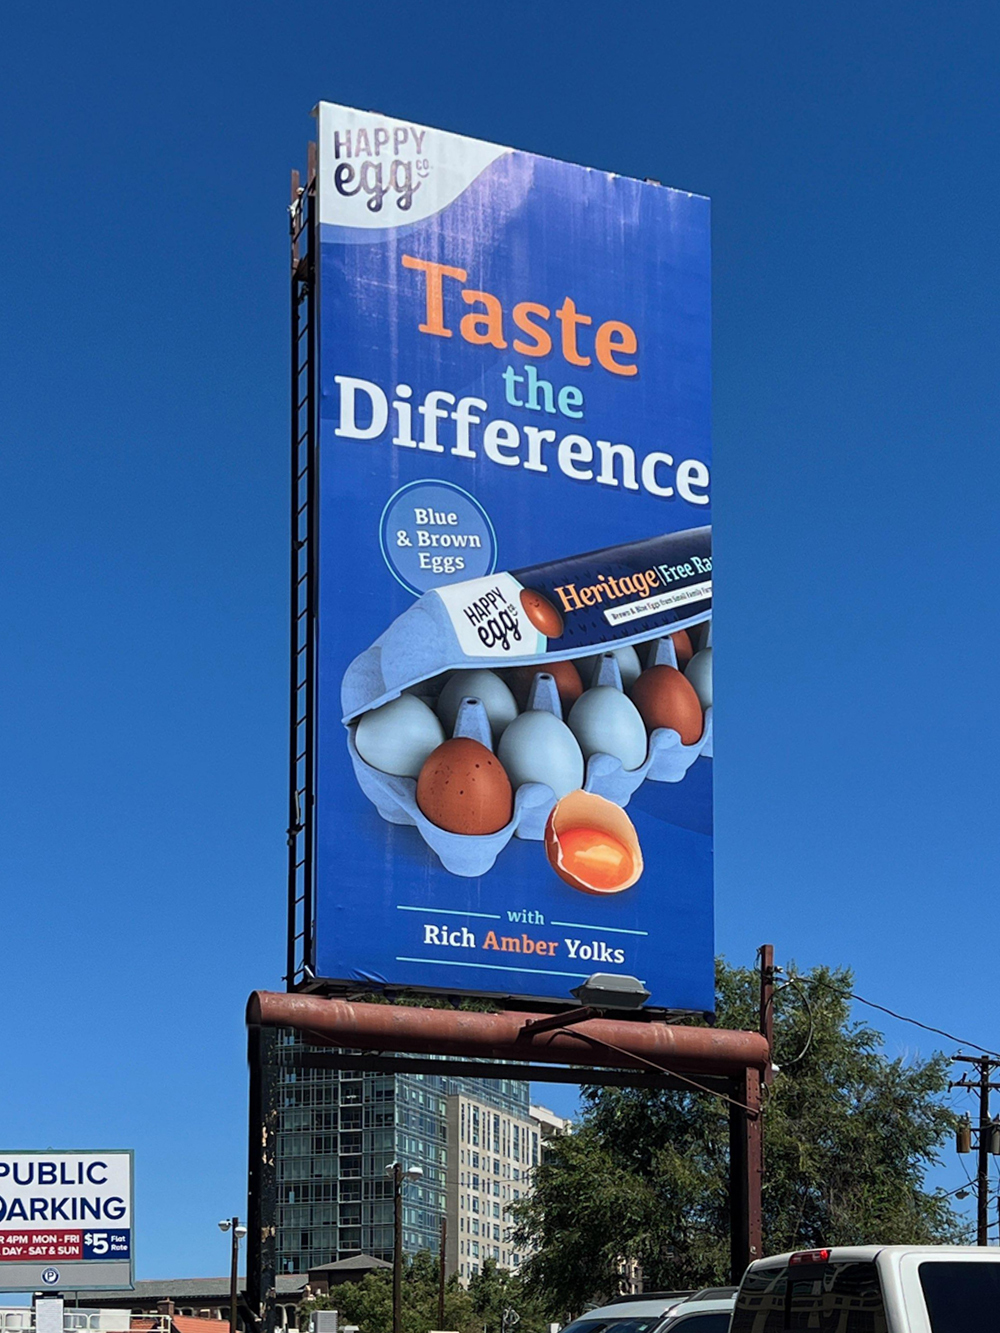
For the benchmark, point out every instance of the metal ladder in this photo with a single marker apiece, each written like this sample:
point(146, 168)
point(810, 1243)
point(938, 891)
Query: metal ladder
point(302, 670)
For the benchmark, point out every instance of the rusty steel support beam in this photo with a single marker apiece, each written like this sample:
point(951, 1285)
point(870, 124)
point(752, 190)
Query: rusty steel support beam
point(262, 1175)
point(746, 1167)
point(628, 1044)
point(333, 1058)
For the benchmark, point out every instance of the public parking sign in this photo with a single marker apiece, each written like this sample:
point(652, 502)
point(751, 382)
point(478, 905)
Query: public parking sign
point(66, 1221)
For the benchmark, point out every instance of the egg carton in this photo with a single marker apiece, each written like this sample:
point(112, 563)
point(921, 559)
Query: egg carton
point(395, 798)
point(464, 854)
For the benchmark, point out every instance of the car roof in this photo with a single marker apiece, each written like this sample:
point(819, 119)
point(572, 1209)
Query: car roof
point(862, 1253)
point(719, 1305)
point(637, 1308)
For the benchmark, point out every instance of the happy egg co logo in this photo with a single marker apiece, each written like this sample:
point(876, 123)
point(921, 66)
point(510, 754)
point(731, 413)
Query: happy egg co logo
point(376, 172)
point(380, 161)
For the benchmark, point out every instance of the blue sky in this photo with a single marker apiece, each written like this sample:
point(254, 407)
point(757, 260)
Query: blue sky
point(850, 153)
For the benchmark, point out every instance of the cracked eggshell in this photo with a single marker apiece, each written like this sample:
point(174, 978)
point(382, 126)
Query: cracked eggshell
point(399, 736)
point(537, 747)
point(479, 684)
point(582, 811)
point(605, 721)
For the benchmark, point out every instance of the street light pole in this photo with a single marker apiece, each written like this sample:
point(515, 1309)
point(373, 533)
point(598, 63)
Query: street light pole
point(395, 1170)
point(239, 1232)
point(397, 1247)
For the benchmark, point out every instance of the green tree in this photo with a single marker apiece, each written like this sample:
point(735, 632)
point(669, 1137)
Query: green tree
point(848, 1136)
point(503, 1303)
point(368, 1303)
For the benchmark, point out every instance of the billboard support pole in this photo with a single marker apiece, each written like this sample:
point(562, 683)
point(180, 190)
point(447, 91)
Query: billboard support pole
point(746, 1167)
point(302, 575)
point(262, 1175)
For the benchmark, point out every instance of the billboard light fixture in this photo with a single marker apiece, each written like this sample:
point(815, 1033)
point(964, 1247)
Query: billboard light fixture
point(610, 990)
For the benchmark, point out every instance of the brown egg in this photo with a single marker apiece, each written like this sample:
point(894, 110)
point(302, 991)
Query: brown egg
point(565, 674)
point(682, 647)
point(542, 614)
point(665, 698)
point(463, 788)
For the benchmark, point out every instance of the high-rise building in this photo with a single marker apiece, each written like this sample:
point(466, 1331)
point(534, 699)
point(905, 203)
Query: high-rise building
point(491, 1151)
point(339, 1130)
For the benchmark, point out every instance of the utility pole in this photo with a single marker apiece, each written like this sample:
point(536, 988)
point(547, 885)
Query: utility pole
point(766, 955)
point(989, 1134)
point(397, 1247)
point(444, 1242)
point(398, 1175)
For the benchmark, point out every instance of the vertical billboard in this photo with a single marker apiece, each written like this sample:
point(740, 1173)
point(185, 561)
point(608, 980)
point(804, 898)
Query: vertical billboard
point(513, 664)
point(66, 1220)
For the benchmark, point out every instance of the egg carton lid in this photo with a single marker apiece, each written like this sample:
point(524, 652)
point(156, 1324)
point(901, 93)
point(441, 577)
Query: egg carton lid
point(599, 601)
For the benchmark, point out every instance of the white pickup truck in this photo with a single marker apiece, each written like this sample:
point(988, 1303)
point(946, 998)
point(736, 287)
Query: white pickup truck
point(872, 1289)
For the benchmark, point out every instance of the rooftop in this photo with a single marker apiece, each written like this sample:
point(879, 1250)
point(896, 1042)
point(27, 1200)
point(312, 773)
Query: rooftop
point(351, 1264)
point(189, 1290)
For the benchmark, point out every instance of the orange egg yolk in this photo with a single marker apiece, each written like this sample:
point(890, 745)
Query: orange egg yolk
point(595, 857)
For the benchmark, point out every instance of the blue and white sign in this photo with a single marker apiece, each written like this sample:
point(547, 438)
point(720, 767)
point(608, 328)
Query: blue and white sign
point(66, 1220)
point(514, 698)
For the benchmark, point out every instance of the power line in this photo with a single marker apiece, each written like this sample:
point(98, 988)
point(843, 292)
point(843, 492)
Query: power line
point(903, 1018)
point(794, 981)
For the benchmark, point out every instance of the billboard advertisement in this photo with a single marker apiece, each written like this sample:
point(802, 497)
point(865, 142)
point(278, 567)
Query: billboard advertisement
point(66, 1220)
point(513, 610)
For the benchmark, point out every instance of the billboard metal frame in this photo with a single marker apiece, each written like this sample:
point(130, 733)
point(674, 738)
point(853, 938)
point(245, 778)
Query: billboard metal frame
point(734, 1066)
